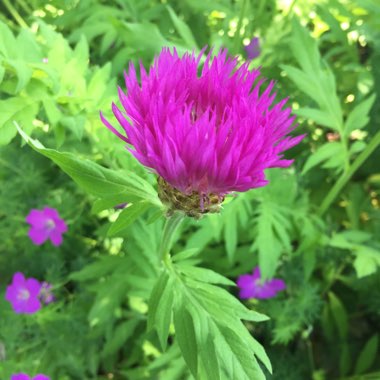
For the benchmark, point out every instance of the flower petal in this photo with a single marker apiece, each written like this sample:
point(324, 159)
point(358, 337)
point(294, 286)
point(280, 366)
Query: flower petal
point(38, 236)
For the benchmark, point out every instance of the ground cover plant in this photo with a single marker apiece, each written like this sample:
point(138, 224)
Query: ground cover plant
point(189, 189)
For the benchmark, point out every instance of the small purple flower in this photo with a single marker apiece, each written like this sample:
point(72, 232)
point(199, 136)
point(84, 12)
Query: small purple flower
point(20, 376)
point(23, 376)
point(23, 294)
point(46, 224)
point(251, 286)
point(46, 296)
point(253, 48)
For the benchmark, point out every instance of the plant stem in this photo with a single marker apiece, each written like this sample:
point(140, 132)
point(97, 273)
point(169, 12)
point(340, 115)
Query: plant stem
point(12, 10)
point(171, 226)
point(25, 6)
point(345, 177)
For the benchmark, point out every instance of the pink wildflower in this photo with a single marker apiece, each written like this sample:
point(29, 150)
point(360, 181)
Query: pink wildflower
point(251, 286)
point(23, 294)
point(46, 224)
point(23, 376)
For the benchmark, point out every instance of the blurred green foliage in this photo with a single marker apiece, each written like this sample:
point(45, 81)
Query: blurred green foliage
point(316, 225)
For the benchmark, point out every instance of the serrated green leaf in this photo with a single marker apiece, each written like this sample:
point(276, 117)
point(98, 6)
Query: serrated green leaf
point(185, 335)
point(345, 360)
point(183, 29)
point(238, 361)
point(339, 314)
point(17, 109)
point(325, 152)
point(223, 305)
point(154, 299)
point(367, 356)
point(204, 275)
point(99, 268)
point(111, 202)
point(94, 178)
point(187, 253)
point(320, 117)
point(359, 116)
point(367, 260)
point(8, 46)
point(23, 73)
point(52, 111)
point(2, 72)
point(119, 336)
point(209, 359)
point(164, 313)
point(110, 294)
point(127, 217)
point(302, 81)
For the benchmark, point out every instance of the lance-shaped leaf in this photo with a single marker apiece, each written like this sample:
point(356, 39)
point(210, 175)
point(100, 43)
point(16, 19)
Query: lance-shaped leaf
point(96, 179)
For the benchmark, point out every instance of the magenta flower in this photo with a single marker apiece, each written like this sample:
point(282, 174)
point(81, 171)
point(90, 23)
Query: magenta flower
point(46, 296)
point(23, 376)
point(253, 48)
point(46, 224)
point(23, 294)
point(209, 134)
point(251, 286)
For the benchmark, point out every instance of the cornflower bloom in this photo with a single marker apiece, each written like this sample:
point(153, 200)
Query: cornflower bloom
point(251, 286)
point(206, 134)
point(23, 294)
point(46, 224)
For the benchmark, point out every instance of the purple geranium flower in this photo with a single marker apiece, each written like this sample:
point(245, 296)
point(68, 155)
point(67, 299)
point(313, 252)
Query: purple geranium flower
point(208, 134)
point(23, 376)
point(46, 224)
point(251, 286)
point(23, 294)
point(46, 296)
point(253, 48)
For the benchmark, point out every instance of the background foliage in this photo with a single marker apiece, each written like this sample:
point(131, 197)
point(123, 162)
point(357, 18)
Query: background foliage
point(316, 225)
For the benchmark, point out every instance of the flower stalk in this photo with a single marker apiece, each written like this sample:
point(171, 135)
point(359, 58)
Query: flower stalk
point(342, 181)
point(171, 225)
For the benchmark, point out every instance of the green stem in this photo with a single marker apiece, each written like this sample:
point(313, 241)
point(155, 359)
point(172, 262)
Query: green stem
point(237, 34)
point(290, 9)
point(171, 226)
point(310, 355)
point(25, 6)
point(12, 10)
point(342, 181)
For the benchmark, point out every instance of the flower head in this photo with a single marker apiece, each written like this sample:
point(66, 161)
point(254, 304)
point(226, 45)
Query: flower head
point(23, 376)
point(205, 135)
point(23, 294)
point(46, 224)
point(253, 48)
point(46, 296)
point(251, 286)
